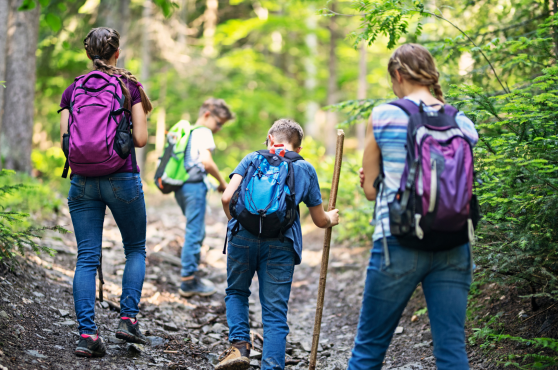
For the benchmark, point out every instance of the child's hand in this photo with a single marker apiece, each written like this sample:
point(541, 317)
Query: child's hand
point(333, 216)
point(361, 175)
point(222, 187)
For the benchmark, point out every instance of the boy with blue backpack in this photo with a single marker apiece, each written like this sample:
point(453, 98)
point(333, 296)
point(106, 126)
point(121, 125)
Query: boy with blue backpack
point(264, 236)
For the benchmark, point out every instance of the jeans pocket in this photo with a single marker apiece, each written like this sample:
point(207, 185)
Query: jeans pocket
point(126, 189)
point(77, 187)
point(238, 260)
point(459, 258)
point(280, 263)
point(403, 261)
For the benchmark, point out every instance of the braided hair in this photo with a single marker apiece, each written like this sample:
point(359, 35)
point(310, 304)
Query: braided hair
point(100, 44)
point(416, 64)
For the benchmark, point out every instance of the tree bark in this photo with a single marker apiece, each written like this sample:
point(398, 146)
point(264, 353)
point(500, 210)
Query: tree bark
point(17, 131)
point(161, 115)
point(115, 14)
point(311, 71)
point(4, 13)
point(144, 72)
point(555, 35)
point(361, 94)
point(210, 25)
point(331, 117)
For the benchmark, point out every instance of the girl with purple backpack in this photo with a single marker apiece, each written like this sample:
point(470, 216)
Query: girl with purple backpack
point(98, 139)
point(418, 166)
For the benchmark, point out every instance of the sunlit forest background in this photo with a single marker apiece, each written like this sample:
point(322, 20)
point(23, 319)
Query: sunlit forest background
point(322, 63)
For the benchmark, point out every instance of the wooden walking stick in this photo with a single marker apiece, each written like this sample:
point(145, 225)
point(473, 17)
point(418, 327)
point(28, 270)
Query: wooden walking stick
point(325, 254)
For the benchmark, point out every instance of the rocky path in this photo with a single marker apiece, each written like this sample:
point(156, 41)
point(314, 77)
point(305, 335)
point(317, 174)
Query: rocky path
point(37, 319)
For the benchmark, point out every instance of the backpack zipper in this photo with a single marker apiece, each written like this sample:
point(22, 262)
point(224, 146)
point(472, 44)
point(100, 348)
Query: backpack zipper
point(433, 185)
point(89, 105)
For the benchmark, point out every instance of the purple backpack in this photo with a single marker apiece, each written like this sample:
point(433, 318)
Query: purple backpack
point(435, 208)
point(99, 139)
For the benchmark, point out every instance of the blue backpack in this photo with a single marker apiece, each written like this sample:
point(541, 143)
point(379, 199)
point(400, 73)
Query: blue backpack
point(264, 203)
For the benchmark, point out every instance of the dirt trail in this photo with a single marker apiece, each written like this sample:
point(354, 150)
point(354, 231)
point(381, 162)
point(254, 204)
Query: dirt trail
point(38, 326)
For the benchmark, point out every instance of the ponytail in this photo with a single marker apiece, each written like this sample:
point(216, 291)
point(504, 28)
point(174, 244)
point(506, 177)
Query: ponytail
point(101, 44)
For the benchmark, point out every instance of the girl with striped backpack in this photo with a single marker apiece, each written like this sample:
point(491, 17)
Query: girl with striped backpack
point(418, 166)
point(103, 118)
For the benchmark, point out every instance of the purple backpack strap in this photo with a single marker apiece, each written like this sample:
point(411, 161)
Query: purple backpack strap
point(406, 105)
point(450, 110)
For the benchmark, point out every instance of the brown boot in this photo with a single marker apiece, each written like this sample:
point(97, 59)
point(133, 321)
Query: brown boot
point(237, 357)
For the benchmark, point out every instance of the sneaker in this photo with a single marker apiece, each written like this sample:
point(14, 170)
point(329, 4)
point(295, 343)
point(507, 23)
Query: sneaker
point(88, 347)
point(237, 357)
point(201, 287)
point(130, 332)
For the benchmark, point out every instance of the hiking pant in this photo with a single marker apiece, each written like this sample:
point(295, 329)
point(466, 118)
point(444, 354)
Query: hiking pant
point(191, 199)
point(445, 277)
point(87, 200)
point(273, 260)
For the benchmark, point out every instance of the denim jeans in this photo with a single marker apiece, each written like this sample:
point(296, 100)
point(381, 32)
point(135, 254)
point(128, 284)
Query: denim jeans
point(273, 260)
point(445, 277)
point(191, 199)
point(87, 200)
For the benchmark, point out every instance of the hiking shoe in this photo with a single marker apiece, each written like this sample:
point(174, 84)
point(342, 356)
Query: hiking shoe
point(201, 287)
point(130, 332)
point(87, 347)
point(237, 357)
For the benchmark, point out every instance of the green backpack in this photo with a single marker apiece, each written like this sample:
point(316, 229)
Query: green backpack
point(171, 173)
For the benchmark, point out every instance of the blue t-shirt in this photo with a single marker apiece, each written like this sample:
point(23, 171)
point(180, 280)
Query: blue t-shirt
point(307, 190)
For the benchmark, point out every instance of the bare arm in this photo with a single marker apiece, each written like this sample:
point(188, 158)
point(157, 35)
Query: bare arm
point(64, 117)
point(228, 193)
point(370, 163)
point(139, 131)
point(211, 167)
point(322, 218)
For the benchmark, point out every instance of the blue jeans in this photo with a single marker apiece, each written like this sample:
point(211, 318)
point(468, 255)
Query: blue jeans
point(191, 199)
point(273, 260)
point(87, 200)
point(445, 277)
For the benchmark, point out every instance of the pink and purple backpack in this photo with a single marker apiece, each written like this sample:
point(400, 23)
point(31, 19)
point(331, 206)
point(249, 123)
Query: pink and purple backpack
point(435, 208)
point(99, 138)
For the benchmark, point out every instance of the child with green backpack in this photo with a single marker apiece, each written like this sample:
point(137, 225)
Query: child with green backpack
point(183, 168)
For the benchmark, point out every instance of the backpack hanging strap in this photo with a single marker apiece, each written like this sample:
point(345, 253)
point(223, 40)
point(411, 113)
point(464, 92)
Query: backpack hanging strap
point(66, 168)
point(134, 162)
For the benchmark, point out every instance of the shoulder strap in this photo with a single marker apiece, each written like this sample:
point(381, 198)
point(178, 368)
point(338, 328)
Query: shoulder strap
point(406, 105)
point(293, 156)
point(450, 110)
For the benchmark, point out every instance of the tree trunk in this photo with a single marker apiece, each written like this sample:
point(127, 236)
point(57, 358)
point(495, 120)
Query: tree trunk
point(144, 72)
point(4, 12)
point(183, 16)
point(17, 131)
point(555, 35)
point(161, 115)
point(331, 117)
point(210, 25)
point(311, 70)
point(361, 94)
point(115, 14)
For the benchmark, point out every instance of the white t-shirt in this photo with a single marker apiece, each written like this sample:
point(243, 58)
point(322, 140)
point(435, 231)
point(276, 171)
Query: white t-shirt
point(201, 139)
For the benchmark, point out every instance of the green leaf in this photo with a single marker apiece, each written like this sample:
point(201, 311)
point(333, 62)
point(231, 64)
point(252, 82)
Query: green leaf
point(54, 22)
point(44, 3)
point(27, 5)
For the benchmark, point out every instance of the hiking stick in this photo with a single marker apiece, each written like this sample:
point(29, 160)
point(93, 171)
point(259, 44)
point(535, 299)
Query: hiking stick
point(101, 280)
point(325, 254)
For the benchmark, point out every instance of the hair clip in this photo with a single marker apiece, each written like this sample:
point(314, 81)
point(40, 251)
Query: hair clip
point(95, 57)
point(138, 84)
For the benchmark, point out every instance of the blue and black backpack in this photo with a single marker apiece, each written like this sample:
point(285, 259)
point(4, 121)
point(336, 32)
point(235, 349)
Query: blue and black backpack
point(264, 203)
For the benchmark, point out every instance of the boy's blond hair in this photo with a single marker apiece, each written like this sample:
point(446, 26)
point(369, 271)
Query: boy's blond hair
point(216, 107)
point(286, 130)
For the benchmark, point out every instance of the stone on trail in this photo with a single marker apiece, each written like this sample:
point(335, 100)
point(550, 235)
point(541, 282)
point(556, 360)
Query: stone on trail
point(38, 295)
point(410, 366)
point(32, 352)
point(255, 354)
point(156, 341)
point(4, 315)
point(167, 257)
point(218, 328)
point(212, 358)
point(399, 330)
point(113, 339)
point(67, 323)
point(214, 336)
point(170, 326)
point(135, 348)
point(64, 313)
point(105, 305)
point(255, 363)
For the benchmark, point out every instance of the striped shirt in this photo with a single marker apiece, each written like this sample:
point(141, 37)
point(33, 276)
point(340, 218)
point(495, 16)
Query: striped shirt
point(390, 131)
